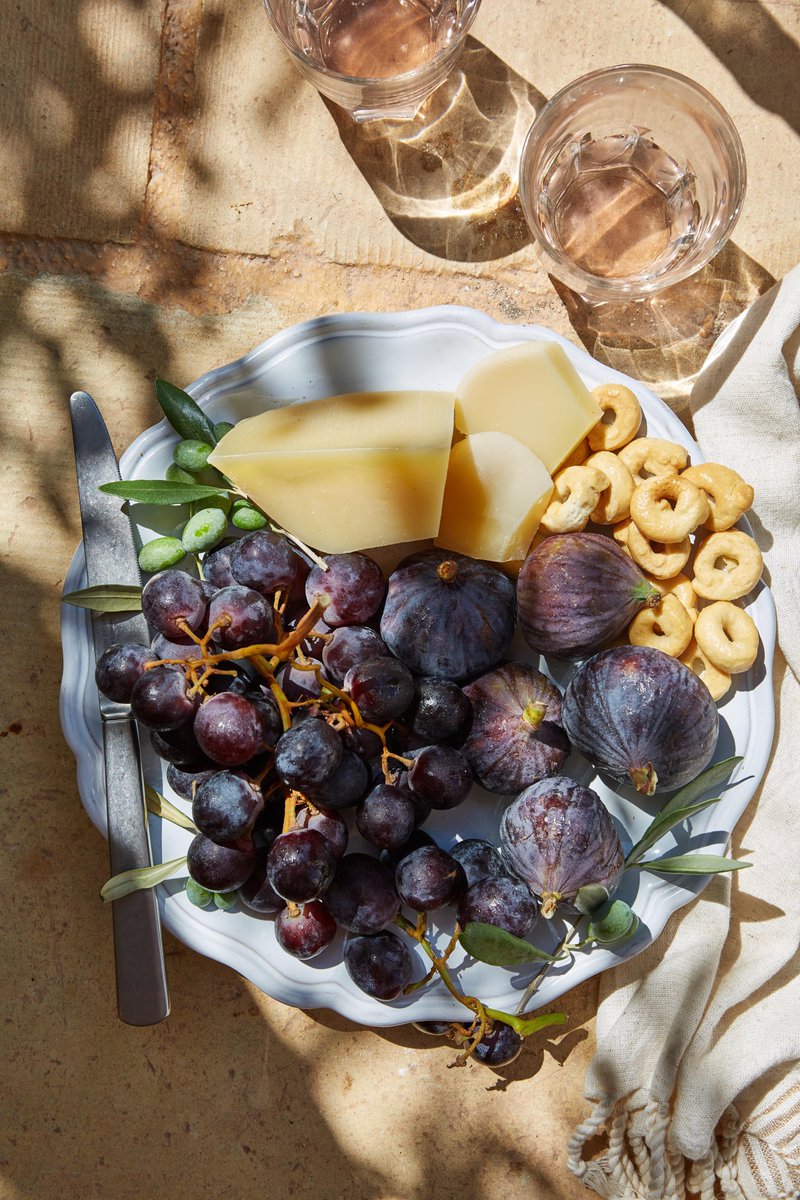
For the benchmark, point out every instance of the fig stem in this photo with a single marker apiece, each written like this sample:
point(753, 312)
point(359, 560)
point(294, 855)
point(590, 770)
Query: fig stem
point(549, 904)
point(447, 570)
point(534, 713)
point(644, 779)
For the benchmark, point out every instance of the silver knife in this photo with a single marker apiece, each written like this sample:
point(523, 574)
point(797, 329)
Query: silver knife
point(111, 557)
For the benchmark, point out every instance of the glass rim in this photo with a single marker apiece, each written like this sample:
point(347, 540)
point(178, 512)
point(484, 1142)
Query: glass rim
point(629, 286)
point(364, 81)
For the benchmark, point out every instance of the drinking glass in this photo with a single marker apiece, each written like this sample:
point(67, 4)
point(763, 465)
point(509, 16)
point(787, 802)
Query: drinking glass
point(378, 59)
point(631, 179)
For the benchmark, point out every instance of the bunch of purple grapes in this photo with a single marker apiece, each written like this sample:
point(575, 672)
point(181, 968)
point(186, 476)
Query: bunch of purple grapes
point(281, 754)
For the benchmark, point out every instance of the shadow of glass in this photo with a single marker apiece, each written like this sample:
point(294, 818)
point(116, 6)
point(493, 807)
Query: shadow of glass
point(745, 37)
point(664, 339)
point(447, 180)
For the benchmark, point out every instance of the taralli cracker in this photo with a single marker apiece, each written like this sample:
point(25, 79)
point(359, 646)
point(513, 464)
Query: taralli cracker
point(614, 504)
point(728, 637)
point(576, 493)
point(727, 566)
point(729, 497)
point(626, 412)
point(680, 587)
point(668, 508)
point(658, 559)
point(649, 457)
point(718, 682)
point(668, 627)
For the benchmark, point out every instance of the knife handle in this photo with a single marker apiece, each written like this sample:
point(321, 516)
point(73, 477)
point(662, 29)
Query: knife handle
point(142, 997)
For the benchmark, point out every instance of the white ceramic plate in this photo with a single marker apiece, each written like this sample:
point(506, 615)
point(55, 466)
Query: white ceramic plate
point(429, 348)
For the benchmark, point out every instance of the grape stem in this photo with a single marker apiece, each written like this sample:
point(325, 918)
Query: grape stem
point(533, 986)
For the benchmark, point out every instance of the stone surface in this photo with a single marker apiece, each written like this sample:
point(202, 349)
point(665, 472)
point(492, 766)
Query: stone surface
point(172, 194)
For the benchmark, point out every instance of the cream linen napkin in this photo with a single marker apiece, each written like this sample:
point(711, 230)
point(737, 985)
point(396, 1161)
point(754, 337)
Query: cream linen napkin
point(695, 1082)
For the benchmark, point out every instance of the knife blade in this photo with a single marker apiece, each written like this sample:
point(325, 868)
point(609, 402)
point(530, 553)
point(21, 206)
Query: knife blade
point(111, 557)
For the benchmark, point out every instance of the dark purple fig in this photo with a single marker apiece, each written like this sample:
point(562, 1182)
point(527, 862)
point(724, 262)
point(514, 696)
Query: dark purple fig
point(516, 737)
point(448, 616)
point(639, 714)
point(577, 592)
point(557, 837)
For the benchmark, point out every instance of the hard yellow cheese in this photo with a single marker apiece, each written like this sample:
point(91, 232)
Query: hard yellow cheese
point(495, 495)
point(346, 472)
point(532, 392)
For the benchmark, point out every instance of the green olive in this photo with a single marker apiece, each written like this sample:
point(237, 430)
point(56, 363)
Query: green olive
point(204, 530)
point(161, 553)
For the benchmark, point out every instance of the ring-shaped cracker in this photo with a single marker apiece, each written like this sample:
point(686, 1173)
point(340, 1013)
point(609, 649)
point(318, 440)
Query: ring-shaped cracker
point(718, 682)
point(667, 627)
point(648, 457)
point(727, 566)
point(576, 493)
point(728, 637)
point(614, 503)
point(667, 508)
point(681, 587)
point(658, 559)
point(728, 494)
point(620, 401)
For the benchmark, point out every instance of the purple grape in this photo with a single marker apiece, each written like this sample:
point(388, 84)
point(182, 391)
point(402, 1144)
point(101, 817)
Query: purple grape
point(429, 878)
point(441, 710)
point(184, 780)
point(306, 933)
point(178, 746)
point(480, 859)
point(362, 742)
point(257, 892)
point(184, 649)
point(300, 865)
point(217, 566)
point(422, 809)
point(225, 807)
point(362, 897)
point(418, 838)
point(171, 599)
point(264, 561)
point(220, 868)
point(298, 684)
point(498, 1048)
point(385, 817)
point(432, 1028)
point(345, 786)
point(441, 775)
point(160, 699)
point(382, 688)
point(249, 617)
point(119, 667)
point(350, 645)
point(307, 754)
point(230, 729)
point(332, 827)
point(502, 901)
point(378, 964)
point(352, 588)
point(269, 824)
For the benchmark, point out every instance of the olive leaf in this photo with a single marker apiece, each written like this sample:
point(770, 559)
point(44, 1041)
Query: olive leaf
point(613, 923)
point(159, 806)
point(693, 864)
point(139, 879)
point(499, 948)
point(682, 806)
point(161, 491)
point(184, 414)
point(107, 597)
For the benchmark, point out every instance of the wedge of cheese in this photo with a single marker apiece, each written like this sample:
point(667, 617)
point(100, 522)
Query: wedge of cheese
point(533, 392)
point(494, 498)
point(346, 472)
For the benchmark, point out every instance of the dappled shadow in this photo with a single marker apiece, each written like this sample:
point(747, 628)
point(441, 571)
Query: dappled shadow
point(749, 42)
point(448, 178)
point(664, 339)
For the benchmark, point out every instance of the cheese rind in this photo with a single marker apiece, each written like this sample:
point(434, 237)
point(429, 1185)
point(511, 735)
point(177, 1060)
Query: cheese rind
point(494, 498)
point(346, 472)
point(533, 392)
